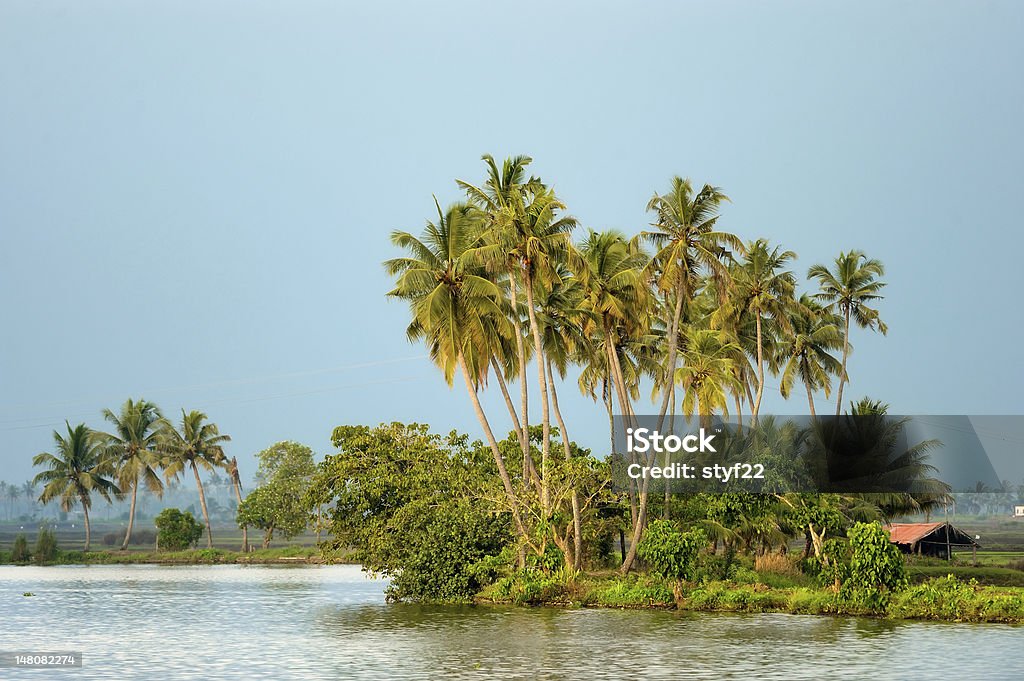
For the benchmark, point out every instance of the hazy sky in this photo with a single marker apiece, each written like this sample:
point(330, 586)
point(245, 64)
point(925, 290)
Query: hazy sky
point(195, 198)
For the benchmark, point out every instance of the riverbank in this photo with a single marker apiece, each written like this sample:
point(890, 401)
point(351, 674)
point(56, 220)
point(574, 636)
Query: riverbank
point(945, 598)
point(300, 555)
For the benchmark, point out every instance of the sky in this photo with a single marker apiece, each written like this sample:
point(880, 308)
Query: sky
point(195, 198)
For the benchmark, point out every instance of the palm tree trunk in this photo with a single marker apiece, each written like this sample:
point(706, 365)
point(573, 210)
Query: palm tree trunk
point(810, 399)
point(524, 444)
point(236, 482)
point(577, 523)
point(131, 513)
point(202, 504)
point(499, 460)
point(545, 447)
point(668, 457)
point(631, 485)
point(673, 350)
point(88, 529)
point(528, 471)
point(760, 374)
point(846, 353)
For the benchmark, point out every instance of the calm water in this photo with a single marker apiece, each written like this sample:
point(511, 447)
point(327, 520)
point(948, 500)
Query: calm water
point(235, 622)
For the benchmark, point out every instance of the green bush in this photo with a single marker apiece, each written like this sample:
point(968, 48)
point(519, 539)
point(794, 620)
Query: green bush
point(19, 553)
point(46, 546)
point(669, 552)
point(633, 591)
point(875, 562)
point(176, 530)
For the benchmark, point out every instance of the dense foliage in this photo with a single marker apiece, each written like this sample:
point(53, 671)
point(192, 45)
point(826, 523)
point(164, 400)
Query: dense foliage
point(419, 508)
point(177, 530)
point(669, 552)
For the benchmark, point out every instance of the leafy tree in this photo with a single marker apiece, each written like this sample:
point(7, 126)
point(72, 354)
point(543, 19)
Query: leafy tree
point(875, 562)
point(850, 287)
point(134, 446)
point(78, 469)
point(196, 443)
point(276, 505)
point(176, 530)
point(417, 507)
point(815, 334)
point(669, 552)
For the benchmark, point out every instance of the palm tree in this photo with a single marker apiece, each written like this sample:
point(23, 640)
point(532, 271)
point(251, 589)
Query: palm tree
point(850, 287)
point(454, 307)
point(76, 471)
point(688, 242)
point(707, 374)
point(815, 333)
point(616, 297)
point(502, 204)
point(28, 490)
point(134, 446)
point(764, 291)
point(195, 443)
point(13, 494)
point(236, 482)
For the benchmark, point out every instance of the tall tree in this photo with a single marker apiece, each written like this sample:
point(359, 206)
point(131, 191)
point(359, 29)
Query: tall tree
point(707, 374)
point(74, 472)
point(688, 243)
point(850, 288)
point(764, 290)
point(134, 446)
point(195, 444)
point(815, 333)
point(236, 482)
point(450, 296)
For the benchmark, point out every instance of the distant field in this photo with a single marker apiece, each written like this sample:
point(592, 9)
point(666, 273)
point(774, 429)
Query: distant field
point(73, 538)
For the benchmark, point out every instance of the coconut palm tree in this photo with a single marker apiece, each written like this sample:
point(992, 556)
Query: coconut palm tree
point(231, 466)
point(134, 447)
point(688, 243)
point(450, 296)
point(195, 443)
point(815, 333)
point(616, 296)
point(76, 471)
point(501, 201)
point(13, 494)
point(850, 287)
point(707, 375)
point(763, 290)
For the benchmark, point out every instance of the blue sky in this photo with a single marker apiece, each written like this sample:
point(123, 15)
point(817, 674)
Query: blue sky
point(195, 198)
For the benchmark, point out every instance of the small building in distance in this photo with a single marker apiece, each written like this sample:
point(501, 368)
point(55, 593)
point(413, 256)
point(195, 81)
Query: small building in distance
point(1018, 511)
point(929, 539)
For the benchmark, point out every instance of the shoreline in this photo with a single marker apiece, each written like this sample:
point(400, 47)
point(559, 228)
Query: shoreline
point(279, 556)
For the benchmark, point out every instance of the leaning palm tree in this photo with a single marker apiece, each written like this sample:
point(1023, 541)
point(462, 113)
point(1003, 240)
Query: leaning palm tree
point(196, 443)
point(236, 482)
point(134, 447)
point(449, 297)
point(815, 333)
point(76, 471)
point(849, 288)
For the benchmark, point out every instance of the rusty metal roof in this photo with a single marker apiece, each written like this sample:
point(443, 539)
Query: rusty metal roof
point(908, 533)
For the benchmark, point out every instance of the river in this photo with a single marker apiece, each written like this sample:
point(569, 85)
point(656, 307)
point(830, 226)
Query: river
point(244, 622)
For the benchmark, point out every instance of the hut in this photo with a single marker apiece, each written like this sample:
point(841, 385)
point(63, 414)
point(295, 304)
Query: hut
point(929, 539)
point(1018, 511)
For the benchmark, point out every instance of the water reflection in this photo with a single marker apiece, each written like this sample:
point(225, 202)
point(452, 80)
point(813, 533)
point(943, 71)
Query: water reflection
point(242, 622)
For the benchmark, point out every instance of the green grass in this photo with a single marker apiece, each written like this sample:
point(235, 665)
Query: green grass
point(284, 554)
point(939, 598)
point(990, 576)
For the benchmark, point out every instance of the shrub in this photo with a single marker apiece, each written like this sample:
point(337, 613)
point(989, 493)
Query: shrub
point(875, 563)
point(669, 552)
point(19, 553)
point(177, 530)
point(143, 537)
point(46, 546)
point(111, 538)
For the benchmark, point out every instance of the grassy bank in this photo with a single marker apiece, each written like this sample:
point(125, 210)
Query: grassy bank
point(942, 598)
point(285, 555)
